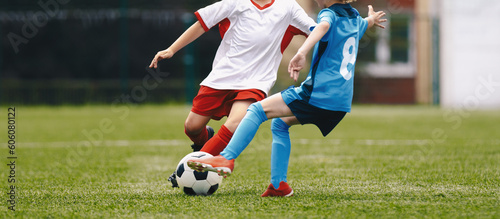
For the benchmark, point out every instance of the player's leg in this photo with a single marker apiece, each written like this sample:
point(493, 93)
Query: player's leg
point(197, 130)
point(224, 163)
point(216, 144)
point(275, 107)
point(257, 113)
point(325, 120)
point(238, 111)
point(280, 156)
point(206, 105)
point(243, 135)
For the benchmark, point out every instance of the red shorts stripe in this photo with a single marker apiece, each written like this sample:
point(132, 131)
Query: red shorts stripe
point(217, 103)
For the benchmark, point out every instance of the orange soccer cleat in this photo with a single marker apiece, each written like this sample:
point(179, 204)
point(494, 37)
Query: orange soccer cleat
point(217, 164)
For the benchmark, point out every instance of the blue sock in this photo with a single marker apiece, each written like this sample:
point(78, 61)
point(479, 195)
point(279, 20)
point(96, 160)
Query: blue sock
point(281, 151)
point(245, 132)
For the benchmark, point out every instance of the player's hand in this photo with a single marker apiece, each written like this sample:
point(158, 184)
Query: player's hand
point(164, 54)
point(296, 64)
point(376, 17)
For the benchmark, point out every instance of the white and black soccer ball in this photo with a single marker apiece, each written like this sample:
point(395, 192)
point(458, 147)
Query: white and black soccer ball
point(193, 182)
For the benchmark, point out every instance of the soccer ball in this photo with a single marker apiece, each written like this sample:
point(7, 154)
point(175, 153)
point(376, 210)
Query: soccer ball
point(193, 182)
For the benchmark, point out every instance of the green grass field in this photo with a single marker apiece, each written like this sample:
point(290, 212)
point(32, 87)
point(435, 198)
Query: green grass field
point(381, 161)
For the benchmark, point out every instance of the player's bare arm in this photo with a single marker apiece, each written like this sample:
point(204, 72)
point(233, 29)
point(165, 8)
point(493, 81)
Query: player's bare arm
point(375, 18)
point(191, 34)
point(299, 60)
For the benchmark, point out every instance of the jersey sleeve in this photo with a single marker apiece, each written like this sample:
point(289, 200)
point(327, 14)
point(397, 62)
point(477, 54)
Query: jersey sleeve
point(211, 15)
point(301, 20)
point(328, 16)
point(363, 25)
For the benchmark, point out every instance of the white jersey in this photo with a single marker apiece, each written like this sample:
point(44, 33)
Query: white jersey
point(253, 40)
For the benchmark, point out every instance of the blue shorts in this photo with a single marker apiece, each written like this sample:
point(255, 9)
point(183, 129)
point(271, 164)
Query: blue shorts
point(325, 120)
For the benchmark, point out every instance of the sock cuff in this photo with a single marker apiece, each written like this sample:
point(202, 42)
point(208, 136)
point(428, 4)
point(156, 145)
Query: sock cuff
point(258, 110)
point(225, 134)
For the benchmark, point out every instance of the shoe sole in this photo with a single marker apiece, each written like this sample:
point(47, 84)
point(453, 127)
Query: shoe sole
point(201, 167)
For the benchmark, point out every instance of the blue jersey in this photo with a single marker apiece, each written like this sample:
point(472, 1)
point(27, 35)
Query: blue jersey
point(329, 84)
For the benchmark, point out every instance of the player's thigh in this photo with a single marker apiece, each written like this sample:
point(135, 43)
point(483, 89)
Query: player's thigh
point(238, 111)
point(275, 106)
point(195, 123)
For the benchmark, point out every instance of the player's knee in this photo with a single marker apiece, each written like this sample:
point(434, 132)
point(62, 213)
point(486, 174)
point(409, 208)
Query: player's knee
point(257, 112)
point(255, 107)
point(191, 128)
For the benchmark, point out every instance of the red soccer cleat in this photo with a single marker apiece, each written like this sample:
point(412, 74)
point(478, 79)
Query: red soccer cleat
point(217, 164)
point(284, 190)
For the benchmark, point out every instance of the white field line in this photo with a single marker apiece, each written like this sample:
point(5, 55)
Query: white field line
point(116, 143)
point(367, 142)
point(302, 141)
point(388, 142)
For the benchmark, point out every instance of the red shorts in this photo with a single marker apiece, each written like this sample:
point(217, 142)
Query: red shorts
point(217, 103)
